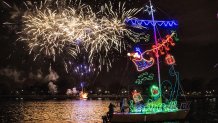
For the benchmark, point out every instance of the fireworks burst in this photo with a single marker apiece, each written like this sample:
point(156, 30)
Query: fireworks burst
point(84, 70)
point(107, 33)
point(51, 27)
point(47, 32)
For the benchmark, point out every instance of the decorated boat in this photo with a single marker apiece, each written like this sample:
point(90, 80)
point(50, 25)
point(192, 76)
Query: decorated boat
point(161, 102)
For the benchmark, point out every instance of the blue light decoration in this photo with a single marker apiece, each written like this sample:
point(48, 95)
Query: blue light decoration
point(137, 49)
point(143, 64)
point(140, 62)
point(174, 73)
point(138, 23)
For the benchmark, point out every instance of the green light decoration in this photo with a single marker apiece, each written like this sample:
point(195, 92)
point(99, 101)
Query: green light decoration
point(145, 38)
point(175, 37)
point(155, 91)
point(152, 108)
point(153, 105)
point(155, 95)
point(144, 77)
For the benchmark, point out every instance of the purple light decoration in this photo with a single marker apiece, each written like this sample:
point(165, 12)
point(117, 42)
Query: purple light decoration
point(156, 43)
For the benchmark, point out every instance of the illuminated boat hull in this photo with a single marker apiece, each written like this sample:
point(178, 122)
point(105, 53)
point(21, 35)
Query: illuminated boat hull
point(162, 116)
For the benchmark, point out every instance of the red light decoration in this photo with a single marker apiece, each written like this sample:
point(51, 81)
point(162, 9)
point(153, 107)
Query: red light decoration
point(169, 59)
point(155, 92)
point(163, 46)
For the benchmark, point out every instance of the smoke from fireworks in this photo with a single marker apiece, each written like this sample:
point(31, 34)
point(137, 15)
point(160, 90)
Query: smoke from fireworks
point(13, 74)
point(52, 88)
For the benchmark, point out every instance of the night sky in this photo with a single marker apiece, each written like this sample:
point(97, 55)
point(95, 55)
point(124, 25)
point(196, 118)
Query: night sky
point(196, 53)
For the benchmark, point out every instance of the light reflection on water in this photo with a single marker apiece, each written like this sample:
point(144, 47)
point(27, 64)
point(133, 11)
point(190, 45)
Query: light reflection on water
point(85, 111)
point(76, 111)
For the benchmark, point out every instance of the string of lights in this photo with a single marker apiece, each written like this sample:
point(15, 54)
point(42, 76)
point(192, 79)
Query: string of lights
point(134, 22)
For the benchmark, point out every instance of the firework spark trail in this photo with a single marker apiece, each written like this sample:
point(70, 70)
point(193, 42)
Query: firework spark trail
point(108, 32)
point(46, 33)
point(48, 30)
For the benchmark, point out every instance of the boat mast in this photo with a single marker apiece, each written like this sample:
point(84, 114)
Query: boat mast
point(156, 43)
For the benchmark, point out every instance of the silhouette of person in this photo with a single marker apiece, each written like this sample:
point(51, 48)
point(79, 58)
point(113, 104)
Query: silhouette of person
point(122, 108)
point(111, 111)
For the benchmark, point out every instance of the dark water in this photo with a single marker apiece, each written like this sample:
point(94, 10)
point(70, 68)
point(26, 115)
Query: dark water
point(204, 111)
point(85, 111)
